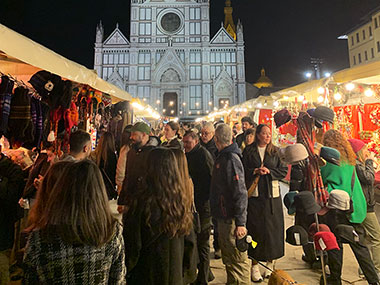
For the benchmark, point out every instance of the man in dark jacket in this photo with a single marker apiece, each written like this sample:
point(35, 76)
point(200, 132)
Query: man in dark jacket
point(229, 202)
point(246, 123)
point(11, 187)
point(200, 165)
point(207, 141)
point(136, 167)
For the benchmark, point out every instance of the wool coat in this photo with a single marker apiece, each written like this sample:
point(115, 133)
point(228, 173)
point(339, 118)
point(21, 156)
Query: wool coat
point(265, 220)
point(344, 178)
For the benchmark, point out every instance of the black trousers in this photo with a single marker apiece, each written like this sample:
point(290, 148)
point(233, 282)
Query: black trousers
point(216, 236)
point(361, 252)
point(203, 243)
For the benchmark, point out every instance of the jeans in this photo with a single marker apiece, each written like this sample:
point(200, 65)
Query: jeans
point(372, 228)
point(237, 264)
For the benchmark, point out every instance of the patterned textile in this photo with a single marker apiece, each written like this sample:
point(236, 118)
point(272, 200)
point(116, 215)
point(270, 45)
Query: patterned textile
point(6, 88)
point(36, 111)
point(314, 178)
point(56, 262)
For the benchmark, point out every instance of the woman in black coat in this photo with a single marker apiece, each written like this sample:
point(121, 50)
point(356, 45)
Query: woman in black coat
point(265, 220)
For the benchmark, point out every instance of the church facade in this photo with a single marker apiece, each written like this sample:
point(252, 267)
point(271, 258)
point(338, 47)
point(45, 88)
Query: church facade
point(170, 60)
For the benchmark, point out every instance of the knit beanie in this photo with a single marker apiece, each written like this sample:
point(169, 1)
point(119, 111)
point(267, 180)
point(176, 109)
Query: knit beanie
point(356, 144)
point(20, 124)
point(6, 87)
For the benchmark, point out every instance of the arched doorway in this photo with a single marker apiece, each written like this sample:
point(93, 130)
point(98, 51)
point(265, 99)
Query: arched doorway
point(170, 104)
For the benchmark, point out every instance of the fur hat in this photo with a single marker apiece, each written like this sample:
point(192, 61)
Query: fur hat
point(282, 117)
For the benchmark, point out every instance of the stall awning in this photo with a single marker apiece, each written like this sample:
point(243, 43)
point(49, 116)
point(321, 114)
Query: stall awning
point(20, 55)
point(366, 74)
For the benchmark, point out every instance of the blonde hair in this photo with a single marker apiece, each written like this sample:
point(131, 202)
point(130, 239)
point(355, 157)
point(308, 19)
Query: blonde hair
point(76, 206)
point(360, 154)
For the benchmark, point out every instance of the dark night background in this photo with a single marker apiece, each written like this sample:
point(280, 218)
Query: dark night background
point(281, 36)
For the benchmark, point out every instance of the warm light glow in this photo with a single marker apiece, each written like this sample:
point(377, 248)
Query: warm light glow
point(207, 111)
point(164, 110)
point(222, 102)
point(198, 120)
point(210, 103)
point(368, 93)
point(197, 104)
point(144, 99)
point(276, 104)
point(308, 74)
point(327, 74)
point(172, 112)
point(337, 96)
point(137, 106)
point(321, 90)
point(189, 112)
point(320, 99)
point(171, 103)
point(158, 102)
point(176, 119)
point(350, 86)
point(301, 98)
point(286, 97)
point(181, 112)
point(198, 112)
point(184, 103)
point(215, 109)
point(259, 105)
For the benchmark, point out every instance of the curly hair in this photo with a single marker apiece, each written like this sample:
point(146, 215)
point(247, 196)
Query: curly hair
point(167, 190)
point(335, 139)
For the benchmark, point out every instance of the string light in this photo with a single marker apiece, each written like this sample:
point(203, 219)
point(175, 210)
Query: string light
point(301, 98)
point(368, 93)
point(210, 103)
point(350, 86)
point(259, 105)
point(276, 104)
point(321, 90)
point(320, 99)
point(337, 96)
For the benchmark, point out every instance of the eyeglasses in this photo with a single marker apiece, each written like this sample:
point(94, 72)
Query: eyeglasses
point(205, 133)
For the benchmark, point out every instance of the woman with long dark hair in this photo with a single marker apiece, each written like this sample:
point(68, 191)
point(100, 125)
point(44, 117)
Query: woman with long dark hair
point(172, 138)
point(156, 224)
point(106, 159)
point(265, 219)
point(73, 238)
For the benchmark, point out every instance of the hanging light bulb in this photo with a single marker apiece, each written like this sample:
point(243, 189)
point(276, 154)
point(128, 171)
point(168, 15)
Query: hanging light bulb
point(301, 98)
point(259, 105)
point(321, 90)
point(320, 99)
point(368, 93)
point(337, 96)
point(350, 86)
point(276, 104)
point(286, 97)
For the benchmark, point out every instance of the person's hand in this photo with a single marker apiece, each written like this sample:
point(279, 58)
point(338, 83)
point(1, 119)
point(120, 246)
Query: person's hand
point(37, 181)
point(21, 202)
point(264, 170)
point(256, 171)
point(240, 232)
point(122, 209)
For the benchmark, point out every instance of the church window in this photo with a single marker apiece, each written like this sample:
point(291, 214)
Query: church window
point(195, 28)
point(223, 57)
point(145, 14)
point(195, 97)
point(143, 73)
point(212, 57)
point(105, 74)
point(159, 54)
point(143, 92)
point(195, 13)
point(217, 57)
point(195, 56)
point(110, 58)
point(181, 55)
point(144, 57)
point(105, 58)
point(145, 29)
point(228, 57)
point(233, 57)
point(195, 72)
point(116, 58)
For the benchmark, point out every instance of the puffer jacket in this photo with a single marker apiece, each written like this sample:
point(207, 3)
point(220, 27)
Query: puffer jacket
point(229, 197)
point(366, 175)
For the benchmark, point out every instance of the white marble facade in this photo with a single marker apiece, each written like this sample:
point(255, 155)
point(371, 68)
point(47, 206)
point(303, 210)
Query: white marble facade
point(170, 61)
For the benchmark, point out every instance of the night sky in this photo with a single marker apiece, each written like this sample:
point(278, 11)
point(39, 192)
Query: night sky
point(281, 36)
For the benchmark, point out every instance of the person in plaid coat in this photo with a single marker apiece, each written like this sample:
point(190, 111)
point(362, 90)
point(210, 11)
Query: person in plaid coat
point(73, 238)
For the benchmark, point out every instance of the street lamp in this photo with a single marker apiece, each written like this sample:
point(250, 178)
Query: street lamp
point(327, 74)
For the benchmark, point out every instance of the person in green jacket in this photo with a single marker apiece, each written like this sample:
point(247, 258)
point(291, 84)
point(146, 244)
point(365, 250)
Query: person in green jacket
point(344, 177)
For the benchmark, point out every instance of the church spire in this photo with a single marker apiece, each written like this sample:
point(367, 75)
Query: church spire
point(229, 24)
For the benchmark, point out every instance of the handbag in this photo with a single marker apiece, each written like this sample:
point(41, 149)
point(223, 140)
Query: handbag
point(253, 186)
point(110, 187)
point(196, 219)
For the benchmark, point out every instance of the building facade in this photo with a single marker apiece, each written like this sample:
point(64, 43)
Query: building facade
point(170, 60)
point(364, 40)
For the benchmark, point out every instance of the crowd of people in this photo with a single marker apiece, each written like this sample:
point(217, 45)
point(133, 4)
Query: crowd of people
point(176, 187)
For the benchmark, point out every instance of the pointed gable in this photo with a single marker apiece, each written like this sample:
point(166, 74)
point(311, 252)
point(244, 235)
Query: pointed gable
point(116, 38)
point(222, 37)
point(169, 60)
